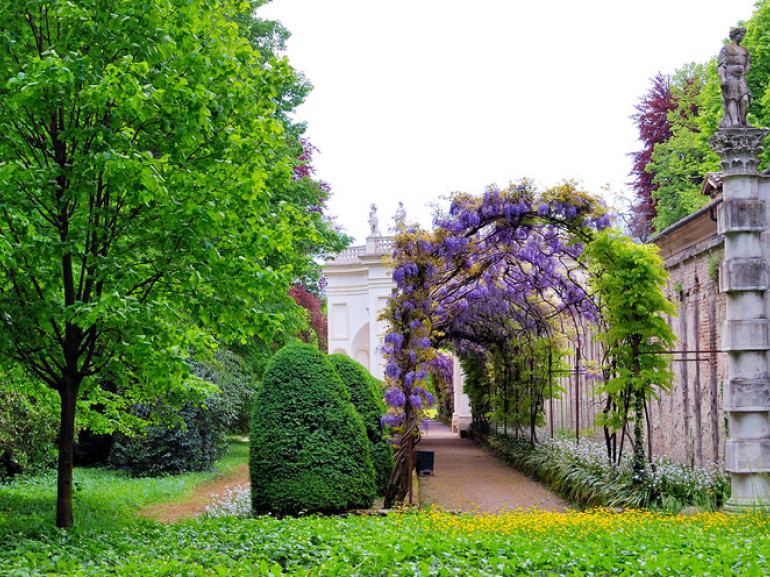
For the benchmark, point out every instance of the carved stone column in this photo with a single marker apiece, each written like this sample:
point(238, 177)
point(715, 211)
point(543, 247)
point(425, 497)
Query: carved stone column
point(742, 219)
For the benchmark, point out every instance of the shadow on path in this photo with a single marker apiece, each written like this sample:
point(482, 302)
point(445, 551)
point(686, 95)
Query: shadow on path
point(467, 477)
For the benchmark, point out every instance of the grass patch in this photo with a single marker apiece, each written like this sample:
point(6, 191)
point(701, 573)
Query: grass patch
point(407, 544)
point(102, 498)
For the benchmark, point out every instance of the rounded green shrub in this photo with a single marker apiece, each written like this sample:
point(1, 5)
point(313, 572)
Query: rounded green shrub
point(308, 446)
point(367, 397)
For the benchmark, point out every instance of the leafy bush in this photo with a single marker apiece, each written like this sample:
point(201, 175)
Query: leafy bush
point(224, 410)
point(309, 450)
point(28, 429)
point(170, 446)
point(582, 474)
point(367, 397)
point(232, 373)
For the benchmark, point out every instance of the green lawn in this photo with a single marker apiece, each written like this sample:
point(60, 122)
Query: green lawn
point(103, 498)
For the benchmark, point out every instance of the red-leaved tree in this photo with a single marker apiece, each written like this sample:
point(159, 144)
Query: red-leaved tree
point(652, 121)
point(312, 304)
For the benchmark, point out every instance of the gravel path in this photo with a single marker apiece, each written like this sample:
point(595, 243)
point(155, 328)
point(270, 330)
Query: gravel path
point(465, 477)
point(195, 504)
point(469, 478)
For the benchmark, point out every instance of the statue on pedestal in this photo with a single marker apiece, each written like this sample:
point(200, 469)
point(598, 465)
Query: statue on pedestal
point(374, 221)
point(737, 143)
point(733, 64)
point(399, 217)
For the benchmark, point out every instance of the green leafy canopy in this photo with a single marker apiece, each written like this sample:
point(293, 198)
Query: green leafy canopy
point(629, 279)
point(135, 143)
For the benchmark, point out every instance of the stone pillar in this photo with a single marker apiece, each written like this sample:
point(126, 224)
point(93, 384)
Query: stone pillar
point(461, 417)
point(743, 277)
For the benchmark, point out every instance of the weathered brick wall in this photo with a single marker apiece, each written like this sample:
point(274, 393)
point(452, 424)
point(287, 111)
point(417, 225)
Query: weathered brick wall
point(688, 421)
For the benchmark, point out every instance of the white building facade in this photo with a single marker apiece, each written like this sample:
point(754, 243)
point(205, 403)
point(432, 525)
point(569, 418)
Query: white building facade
point(358, 285)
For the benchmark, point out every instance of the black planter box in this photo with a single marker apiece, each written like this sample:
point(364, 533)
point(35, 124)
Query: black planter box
point(425, 462)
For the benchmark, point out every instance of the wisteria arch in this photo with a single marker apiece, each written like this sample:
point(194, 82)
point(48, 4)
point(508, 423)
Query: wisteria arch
point(496, 264)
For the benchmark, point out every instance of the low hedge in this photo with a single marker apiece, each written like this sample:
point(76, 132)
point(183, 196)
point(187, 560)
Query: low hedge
point(194, 444)
point(28, 430)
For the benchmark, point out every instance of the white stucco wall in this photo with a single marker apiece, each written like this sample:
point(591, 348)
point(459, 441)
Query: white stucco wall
point(357, 290)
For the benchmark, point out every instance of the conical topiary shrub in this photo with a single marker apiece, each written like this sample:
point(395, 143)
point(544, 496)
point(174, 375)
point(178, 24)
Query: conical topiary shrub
point(367, 398)
point(309, 451)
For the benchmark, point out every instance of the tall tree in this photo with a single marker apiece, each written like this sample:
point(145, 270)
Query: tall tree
point(136, 144)
point(628, 280)
point(651, 119)
point(758, 43)
point(310, 195)
point(676, 165)
point(675, 119)
point(679, 165)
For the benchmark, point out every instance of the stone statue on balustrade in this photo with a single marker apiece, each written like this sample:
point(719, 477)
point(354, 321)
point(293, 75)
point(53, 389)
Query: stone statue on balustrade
point(733, 65)
point(374, 221)
point(399, 218)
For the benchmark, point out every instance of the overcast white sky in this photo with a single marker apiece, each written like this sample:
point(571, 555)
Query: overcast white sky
point(414, 99)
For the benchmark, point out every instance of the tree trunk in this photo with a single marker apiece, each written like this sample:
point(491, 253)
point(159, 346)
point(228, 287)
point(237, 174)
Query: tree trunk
point(400, 485)
point(410, 468)
point(648, 420)
point(577, 392)
point(68, 394)
point(624, 423)
point(534, 401)
point(607, 432)
point(639, 460)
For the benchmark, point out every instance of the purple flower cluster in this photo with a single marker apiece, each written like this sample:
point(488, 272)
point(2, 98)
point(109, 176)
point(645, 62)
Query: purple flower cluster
point(392, 420)
point(395, 397)
point(405, 271)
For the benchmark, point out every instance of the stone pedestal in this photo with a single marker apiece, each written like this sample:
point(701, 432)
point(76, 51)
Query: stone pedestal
point(742, 219)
